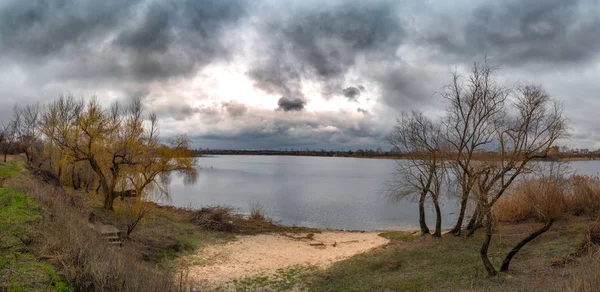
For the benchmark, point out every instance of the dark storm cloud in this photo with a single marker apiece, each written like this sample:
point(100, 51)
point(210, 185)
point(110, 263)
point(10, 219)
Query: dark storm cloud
point(323, 43)
point(514, 32)
point(135, 40)
point(352, 93)
point(39, 29)
point(290, 104)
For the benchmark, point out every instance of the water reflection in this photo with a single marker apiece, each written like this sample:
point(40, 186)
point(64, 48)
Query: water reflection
point(324, 192)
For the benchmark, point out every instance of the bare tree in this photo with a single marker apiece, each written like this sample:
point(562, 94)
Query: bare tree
point(26, 122)
point(423, 171)
point(530, 126)
point(546, 191)
point(475, 104)
point(8, 135)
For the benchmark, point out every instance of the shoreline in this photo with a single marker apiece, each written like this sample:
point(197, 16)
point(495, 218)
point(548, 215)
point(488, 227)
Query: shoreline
point(264, 255)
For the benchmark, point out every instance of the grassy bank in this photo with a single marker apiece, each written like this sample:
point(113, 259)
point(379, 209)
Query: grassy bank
point(415, 263)
point(20, 269)
point(50, 238)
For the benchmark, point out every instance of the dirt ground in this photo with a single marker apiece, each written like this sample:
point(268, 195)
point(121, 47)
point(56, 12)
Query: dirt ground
point(264, 254)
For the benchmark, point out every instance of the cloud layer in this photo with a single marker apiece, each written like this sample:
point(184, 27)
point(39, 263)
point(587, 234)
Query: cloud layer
point(268, 74)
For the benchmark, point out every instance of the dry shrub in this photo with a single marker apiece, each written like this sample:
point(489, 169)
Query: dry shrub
point(256, 212)
point(535, 198)
point(226, 220)
point(84, 258)
point(215, 219)
point(585, 197)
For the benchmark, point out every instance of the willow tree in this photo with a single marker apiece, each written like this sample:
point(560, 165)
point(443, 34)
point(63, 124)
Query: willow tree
point(423, 171)
point(121, 145)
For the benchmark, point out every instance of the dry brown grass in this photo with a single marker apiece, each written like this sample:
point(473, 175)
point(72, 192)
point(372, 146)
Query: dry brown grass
point(88, 261)
point(586, 274)
point(538, 198)
point(585, 197)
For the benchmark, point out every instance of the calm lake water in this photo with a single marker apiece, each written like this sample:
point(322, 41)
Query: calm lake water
point(323, 192)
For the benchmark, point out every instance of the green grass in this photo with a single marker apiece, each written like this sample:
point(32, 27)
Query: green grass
point(398, 235)
point(19, 268)
point(424, 263)
point(281, 280)
point(8, 170)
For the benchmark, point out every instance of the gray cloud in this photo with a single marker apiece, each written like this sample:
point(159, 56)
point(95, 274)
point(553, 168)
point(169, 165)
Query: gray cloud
point(401, 50)
point(323, 43)
point(274, 129)
point(290, 104)
point(133, 40)
point(178, 112)
point(352, 93)
point(517, 33)
point(235, 109)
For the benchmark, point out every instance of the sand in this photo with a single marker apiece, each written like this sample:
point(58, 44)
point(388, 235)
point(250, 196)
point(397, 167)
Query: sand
point(266, 253)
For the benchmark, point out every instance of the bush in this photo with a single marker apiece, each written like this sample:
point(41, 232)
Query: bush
point(585, 198)
point(215, 219)
point(536, 198)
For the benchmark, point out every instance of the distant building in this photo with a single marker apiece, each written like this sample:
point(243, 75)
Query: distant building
point(584, 151)
point(553, 150)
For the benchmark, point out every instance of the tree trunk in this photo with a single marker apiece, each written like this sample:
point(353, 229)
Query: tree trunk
point(461, 216)
point(5, 153)
point(422, 222)
point(108, 196)
point(486, 244)
point(515, 250)
point(475, 222)
point(438, 217)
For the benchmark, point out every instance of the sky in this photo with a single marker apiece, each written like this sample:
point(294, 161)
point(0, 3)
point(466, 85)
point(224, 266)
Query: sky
point(274, 74)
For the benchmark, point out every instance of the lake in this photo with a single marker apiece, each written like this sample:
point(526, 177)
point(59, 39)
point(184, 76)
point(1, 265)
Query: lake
point(321, 192)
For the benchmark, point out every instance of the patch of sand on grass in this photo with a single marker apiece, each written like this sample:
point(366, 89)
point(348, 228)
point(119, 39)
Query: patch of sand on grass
point(266, 253)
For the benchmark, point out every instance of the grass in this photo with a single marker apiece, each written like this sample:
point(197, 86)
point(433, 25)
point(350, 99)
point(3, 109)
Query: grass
point(8, 170)
point(292, 278)
point(424, 263)
point(20, 270)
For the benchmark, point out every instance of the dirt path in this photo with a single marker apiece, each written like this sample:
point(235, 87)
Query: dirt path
point(265, 253)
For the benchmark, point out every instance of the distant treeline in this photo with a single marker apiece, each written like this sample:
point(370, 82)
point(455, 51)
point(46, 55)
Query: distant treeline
point(385, 154)
point(320, 153)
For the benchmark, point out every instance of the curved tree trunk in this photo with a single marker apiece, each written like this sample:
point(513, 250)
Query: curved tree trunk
point(486, 244)
point(108, 196)
point(475, 222)
point(461, 215)
point(515, 250)
point(438, 217)
point(422, 222)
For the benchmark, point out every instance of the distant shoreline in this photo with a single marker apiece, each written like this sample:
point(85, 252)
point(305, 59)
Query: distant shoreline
point(384, 155)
